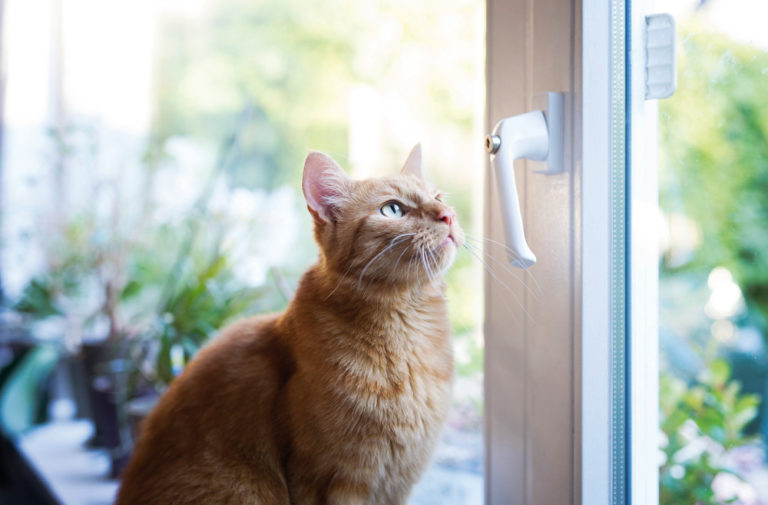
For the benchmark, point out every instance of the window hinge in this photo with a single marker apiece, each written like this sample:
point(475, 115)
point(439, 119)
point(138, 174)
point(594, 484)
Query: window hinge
point(660, 60)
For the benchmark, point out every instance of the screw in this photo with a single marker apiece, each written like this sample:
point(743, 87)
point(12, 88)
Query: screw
point(492, 143)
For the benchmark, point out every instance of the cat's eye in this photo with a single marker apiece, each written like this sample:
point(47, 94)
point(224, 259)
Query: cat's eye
point(392, 209)
point(439, 197)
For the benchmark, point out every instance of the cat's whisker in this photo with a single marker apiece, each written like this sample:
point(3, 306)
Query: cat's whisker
point(436, 266)
point(437, 263)
point(362, 273)
point(508, 249)
point(405, 249)
point(428, 265)
point(481, 239)
point(340, 281)
point(495, 276)
point(430, 272)
point(403, 237)
point(421, 260)
point(424, 264)
point(492, 273)
point(416, 260)
point(505, 266)
point(536, 291)
point(410, 264)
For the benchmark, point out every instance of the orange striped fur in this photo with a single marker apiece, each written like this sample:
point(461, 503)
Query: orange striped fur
point(341, 398)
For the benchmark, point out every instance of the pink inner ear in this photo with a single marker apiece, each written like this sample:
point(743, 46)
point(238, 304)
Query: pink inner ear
point(322, 183)
point(312, 192)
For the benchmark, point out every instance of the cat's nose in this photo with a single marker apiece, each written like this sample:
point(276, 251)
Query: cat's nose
point(447, 216)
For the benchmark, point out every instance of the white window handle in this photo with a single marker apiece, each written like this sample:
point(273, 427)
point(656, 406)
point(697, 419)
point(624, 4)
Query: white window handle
point(536, 136)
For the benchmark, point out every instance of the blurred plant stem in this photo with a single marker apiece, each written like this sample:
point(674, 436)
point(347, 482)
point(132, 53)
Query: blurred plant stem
point(228, 153)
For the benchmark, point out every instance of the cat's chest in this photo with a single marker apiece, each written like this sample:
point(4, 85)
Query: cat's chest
point(393, 379)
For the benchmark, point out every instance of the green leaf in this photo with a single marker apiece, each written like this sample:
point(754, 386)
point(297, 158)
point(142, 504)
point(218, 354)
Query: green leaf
point(37, 300)
point(719, 372)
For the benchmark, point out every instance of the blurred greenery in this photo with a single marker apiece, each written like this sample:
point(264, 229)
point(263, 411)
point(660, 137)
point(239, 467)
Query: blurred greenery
point(714, 146)
point(147, 282)
point(297, 63)
point(701, 422)
point(81, 257)
point(273, 54)
point(201, 300)
point(713, 186)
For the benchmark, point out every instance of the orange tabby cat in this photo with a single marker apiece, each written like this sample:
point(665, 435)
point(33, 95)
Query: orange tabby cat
point(341, 398)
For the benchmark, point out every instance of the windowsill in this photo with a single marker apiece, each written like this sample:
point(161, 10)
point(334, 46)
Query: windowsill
point(77, 475)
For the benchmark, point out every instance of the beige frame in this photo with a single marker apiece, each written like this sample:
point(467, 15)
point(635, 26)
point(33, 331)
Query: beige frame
point(533, 334)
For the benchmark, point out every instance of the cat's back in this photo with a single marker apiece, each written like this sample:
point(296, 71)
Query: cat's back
point(218, 418)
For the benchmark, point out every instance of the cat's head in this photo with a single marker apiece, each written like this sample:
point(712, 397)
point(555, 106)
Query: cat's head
point(394, 230)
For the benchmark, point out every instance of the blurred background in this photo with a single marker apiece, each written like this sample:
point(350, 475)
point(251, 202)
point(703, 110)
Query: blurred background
point(151, 155)
point(713, 221)
point(150, 194)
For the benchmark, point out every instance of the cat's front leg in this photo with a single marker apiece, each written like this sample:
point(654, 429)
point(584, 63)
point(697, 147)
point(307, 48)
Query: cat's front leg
point(345, 492)
point(339, 492)
point(304, 494)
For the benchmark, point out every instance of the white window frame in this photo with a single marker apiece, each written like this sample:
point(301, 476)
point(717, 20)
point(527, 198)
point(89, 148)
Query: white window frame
point(599, 450)
point(615, 306)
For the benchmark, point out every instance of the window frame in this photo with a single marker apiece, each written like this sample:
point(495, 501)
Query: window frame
point(619, 462)
point(614, 306)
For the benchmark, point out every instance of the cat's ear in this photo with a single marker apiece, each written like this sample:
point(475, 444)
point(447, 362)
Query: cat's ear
point(413, 163)
point(324, 184)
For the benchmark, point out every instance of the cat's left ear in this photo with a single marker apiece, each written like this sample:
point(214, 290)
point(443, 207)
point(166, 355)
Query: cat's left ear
point(324, 184)
point(413, 163)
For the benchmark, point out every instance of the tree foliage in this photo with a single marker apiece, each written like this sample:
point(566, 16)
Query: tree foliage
point(714, 157)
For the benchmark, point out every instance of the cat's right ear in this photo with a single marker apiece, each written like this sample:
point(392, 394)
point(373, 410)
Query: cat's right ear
point(324, 184)
point(413, 163)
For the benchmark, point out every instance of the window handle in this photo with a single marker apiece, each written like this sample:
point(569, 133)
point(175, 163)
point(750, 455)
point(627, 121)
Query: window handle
point(537, 136)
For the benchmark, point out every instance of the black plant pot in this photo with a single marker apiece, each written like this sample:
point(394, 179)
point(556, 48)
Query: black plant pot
point(99, 390)
point(105, 379)
point(138, 409)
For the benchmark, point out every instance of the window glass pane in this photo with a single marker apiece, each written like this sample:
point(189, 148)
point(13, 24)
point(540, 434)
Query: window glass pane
point(714, 258)
point(152, 160)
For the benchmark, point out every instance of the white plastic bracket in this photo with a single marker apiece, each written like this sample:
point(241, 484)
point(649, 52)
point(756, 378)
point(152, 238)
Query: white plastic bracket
point(660, 59)
point(551, 104)
point(537, 136)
